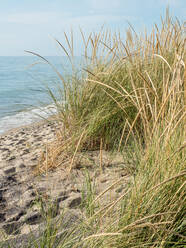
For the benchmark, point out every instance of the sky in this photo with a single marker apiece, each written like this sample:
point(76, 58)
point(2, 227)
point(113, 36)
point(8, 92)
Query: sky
point(33, 24)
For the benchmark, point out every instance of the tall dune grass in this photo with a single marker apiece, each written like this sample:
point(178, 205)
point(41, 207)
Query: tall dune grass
point(131, 95)
point(128, 90)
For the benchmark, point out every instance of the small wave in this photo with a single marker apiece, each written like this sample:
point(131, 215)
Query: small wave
point(25, 117)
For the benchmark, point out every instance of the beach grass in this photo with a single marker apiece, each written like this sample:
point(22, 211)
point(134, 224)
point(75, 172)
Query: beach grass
point(130, 98)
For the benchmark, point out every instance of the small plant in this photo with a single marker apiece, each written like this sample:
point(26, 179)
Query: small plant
point(88, 195)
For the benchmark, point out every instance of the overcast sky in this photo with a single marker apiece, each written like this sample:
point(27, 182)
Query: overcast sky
point(30, 24)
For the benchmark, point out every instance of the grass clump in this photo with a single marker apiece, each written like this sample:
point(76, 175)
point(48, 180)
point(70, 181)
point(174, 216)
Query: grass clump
point(130, 96)
point(125, 94)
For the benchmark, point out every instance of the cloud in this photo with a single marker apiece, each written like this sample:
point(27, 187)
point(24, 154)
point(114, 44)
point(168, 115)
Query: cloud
point(105, 4)
point(96, 19)
point(29, 18)
point(63, 19)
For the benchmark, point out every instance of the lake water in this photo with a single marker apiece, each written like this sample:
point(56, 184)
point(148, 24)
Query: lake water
point(23, 93)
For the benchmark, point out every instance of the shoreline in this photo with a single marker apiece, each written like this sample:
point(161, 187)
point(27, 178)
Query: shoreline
point(26, 118)
point(34, 124)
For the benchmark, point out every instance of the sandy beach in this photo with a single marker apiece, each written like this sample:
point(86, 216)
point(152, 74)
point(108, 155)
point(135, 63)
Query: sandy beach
point(20, 149)
point(19, 152)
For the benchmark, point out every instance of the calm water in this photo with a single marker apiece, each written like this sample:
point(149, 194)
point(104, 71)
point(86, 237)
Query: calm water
point(23, 89)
